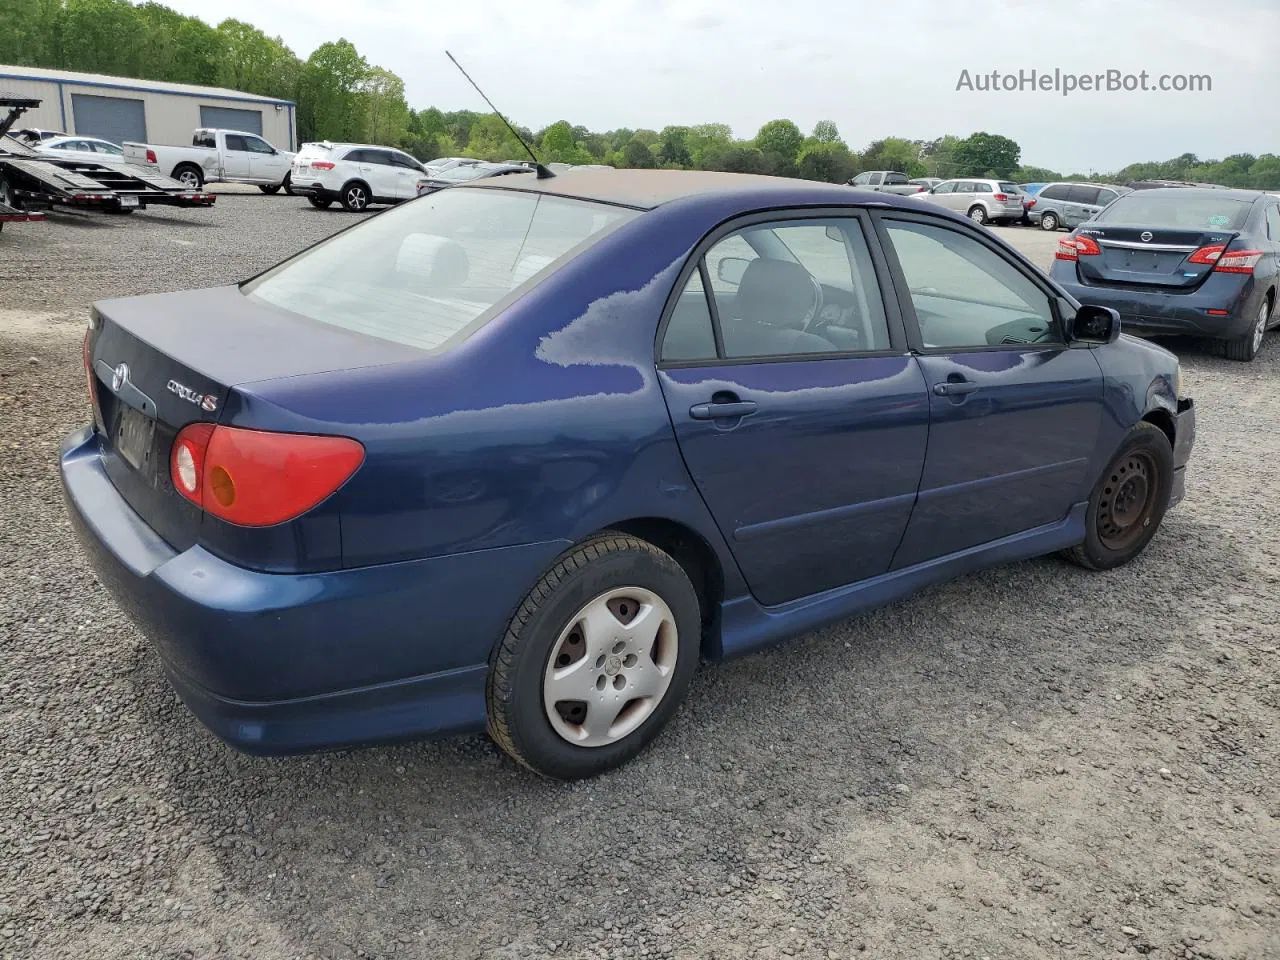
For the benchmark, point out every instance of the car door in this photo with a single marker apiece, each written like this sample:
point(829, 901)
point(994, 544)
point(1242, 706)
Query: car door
point(235, 157)
point(1015, 412)
point(375, 168)
point(960, 199)
point(1081, 204)
point(942, 193)
point(873, 179)
point(800, 413)
point(408, 174)
point(266, 164)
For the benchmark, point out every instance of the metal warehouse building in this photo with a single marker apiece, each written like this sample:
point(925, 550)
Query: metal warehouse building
point(120, 108)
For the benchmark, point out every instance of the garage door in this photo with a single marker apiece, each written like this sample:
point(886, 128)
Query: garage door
point(225, 118)
point(112, 118)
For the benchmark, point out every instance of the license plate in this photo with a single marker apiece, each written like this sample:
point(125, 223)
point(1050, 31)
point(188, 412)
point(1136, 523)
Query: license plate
point(128, 202)
point(133, 437)
point(304, 169)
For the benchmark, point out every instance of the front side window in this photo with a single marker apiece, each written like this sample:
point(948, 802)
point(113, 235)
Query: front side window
point(422, 273)
point(256, 145)
point(964, 294)
point(792, 288)
point(862, 179)
point(948, 187)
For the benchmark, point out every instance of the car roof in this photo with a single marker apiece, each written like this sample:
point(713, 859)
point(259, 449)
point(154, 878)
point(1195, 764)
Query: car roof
point(646, 189)
point(1228, 193)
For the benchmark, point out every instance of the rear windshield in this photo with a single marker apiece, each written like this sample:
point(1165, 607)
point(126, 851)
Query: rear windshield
point(471, 172)
point(1176, 209)
point(1010, 188)
point(422, 273)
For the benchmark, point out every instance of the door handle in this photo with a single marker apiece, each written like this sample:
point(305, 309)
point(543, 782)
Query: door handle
point(723, 410)
point(954, 388)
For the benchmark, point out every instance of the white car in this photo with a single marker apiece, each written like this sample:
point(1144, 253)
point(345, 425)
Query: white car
point(355, 174)
point(80, 148)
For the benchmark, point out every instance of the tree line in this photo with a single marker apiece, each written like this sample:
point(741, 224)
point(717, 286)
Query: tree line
point(342, 97)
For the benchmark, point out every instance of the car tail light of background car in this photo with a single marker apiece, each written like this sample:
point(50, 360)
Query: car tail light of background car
point(257, 478)
point(1028, 203)
point(1072, 248)
point(151, 156)
point(322, 165)
point(1235, 261)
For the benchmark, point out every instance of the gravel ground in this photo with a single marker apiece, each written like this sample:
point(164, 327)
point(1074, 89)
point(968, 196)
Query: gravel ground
point(1030, 762)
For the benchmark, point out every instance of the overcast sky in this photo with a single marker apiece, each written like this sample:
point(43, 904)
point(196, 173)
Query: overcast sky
point(878, 69)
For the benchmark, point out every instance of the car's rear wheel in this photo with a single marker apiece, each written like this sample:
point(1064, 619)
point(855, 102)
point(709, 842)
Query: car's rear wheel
point(1247, 347)
point(978, 213)
point(596, 660)
point(269, 187)
point(1048, 221)
point(189, 176)
point(288, 184)
point(1129, 501)
point(355, 197)
point(320, 203)
point(8, 196)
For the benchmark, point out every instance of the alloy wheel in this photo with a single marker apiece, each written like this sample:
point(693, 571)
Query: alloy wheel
point(189, 179)
point(1260, 328)
point(356, 198)
point(610, 667)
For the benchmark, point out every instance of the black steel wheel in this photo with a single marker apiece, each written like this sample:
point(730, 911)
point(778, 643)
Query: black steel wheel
point(1129, 500)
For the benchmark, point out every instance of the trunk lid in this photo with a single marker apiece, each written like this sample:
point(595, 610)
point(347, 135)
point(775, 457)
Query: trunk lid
point(162, 362)
point(1155, 257)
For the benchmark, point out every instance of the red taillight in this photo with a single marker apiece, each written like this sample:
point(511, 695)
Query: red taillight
point(321, 165)
point(1002, 197)
point(151, 157)
point(255, 478)
point(1029, 202)
point(1207, 255)
point(1072, 248)
point(1238, 261)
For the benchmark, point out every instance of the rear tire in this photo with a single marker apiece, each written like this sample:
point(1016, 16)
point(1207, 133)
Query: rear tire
point(1048, 221)
point(320, 203)
point(978, 213)
point(616, 616)
point(356, 197)
point(269, 187)
point(1128, 502)
point(7, 195)
point(288, 184)
point(189, 175)
point(1247, 347)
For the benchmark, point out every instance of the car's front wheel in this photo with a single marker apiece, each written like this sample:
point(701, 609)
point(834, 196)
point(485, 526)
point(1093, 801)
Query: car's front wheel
point(1247, 347)
point(269, 187)
point(1129, 500)
point(596, 659)
point(1048, 221)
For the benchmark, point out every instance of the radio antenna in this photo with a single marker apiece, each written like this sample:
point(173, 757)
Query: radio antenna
point(543, 172)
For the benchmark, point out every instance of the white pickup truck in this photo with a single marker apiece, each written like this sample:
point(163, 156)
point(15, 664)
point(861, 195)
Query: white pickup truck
point(217, 156)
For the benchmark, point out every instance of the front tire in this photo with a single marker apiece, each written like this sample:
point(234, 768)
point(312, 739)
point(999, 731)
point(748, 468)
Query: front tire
point(1049, 221)
point(269, 187)
point(355, 197)
point(978, 213)
point(1247, 347)
point(1129, 501)
point(596, 660)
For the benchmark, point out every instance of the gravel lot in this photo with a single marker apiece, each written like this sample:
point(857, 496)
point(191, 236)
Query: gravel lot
point(1030, 762)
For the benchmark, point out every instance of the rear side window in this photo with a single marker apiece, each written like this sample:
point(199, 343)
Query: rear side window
point(357, 156)
point(421, 274)
point(1273, 223)
point(1106, 196)
point(982, 188)
point(1082, 194)
point(236, 142)
point(1177, 209)
point(203, 139)
point(895, 178)
point(1056, 192)
point(690, 332)
point(875, 179)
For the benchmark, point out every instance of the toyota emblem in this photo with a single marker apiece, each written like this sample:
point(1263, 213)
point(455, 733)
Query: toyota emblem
point(1145, 236)
point(119, 377)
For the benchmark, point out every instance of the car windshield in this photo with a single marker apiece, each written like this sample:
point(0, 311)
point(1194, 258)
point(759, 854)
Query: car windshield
point(422, 273)
point(1010, 188)
point(1177, 210)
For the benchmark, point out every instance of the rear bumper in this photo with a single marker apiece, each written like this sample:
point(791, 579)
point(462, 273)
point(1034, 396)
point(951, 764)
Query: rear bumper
point(1162, 313)
point(283, 663)
point(1184, 428)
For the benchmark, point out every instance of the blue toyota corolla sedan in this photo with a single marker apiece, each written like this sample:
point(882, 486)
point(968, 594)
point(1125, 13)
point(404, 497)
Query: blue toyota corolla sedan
point(522, 452)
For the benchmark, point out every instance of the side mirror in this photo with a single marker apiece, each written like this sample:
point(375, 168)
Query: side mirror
point(1093, 324)
point(732, 269)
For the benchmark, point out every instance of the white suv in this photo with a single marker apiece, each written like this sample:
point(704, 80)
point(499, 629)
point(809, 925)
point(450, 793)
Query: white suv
point(354, 174)
point(981, 200)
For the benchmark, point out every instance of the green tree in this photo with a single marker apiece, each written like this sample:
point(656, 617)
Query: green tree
point(100, 36)
point(637, 153)
point(780, 137)
point(826, 131)
point(987, 154)
point(255, 63)
point(673, 150)
point(329, 103)
point(1035, 175)
point(383, 111)
point(824, 161)
point(491, 140)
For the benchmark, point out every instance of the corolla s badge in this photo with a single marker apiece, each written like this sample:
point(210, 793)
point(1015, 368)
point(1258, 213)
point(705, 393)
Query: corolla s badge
point(119, 377)
point(205, 401)
point(1145, 236)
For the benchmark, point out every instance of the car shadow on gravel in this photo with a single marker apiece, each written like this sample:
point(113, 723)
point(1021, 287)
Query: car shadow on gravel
point(772, 756)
